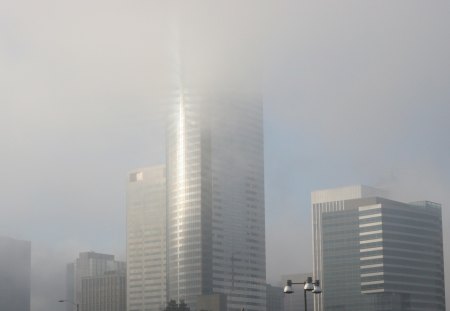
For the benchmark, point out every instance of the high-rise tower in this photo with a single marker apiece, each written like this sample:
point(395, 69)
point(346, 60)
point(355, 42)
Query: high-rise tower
point(215, 200)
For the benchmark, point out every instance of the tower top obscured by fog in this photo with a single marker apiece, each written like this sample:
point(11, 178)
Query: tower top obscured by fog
point(215, 186)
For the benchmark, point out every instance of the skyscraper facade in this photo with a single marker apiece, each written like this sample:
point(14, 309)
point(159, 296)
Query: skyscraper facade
point(88, 264)
point(215, 207)
point(15, 272)
point(375, 254)
point(146, 239)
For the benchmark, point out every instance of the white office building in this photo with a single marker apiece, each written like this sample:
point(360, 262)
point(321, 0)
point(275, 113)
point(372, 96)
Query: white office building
point(146, 239)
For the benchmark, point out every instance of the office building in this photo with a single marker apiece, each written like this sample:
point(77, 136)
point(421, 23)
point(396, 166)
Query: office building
point(274, 298)
point(146, 239)
point(106, 292)
point(374, 254)
point(215, 184)
point(296, 300)
point(15, 271)
point(88, 264)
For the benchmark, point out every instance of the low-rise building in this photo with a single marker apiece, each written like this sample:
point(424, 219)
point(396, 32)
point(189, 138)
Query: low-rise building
point(105, 292)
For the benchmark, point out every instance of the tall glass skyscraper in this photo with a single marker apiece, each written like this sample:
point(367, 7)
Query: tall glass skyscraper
point(146, 239)
point(375, 254)
point(215, 199)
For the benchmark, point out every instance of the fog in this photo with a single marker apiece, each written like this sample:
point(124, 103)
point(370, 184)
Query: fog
point(354, 92)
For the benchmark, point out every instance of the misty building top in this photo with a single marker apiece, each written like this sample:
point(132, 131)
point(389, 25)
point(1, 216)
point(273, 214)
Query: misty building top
point(345, 193)
point(5, 239)
point(95, 255)
point(147, 173)
point(426, 204)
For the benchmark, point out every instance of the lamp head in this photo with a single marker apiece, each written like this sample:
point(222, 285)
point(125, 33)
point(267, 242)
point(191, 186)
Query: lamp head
point(288, 288)
point(317, 289)
point(309, 286)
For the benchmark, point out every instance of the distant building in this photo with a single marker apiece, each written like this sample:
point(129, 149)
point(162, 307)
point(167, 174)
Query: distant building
point(88, 264)
point(375, 254)
point(296, 300)
point(212, 302)
point(15, 271)
point(274, 298)
point(146, 239)
point(105, 292)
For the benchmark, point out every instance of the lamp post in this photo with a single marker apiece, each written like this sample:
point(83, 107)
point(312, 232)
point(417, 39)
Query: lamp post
point(308, 286)
point(69, 301)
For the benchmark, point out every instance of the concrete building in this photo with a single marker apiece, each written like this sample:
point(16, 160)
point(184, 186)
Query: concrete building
point(215, 184)
point(15, 271)
point(274, 298)
point(374, 254)
point(146, 239)
point(88, 264)
point(296, 300)
point(106, 292)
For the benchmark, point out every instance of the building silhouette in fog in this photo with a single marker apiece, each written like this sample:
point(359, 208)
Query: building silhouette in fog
point(146, 239)
point(15, 271)
point(89, 265)
point(215, 193)
point(374, 254)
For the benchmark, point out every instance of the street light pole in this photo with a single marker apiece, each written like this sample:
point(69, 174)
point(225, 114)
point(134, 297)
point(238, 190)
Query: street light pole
point(70, 301)
point(304, 297)
point(308, 286)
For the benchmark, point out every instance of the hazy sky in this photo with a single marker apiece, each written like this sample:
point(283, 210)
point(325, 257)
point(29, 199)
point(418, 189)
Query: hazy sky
point(354, 92)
